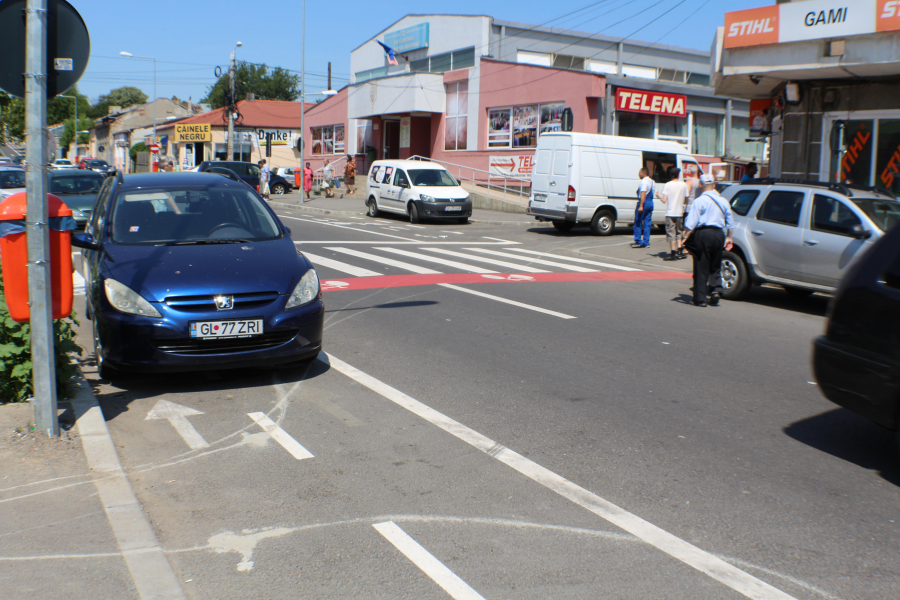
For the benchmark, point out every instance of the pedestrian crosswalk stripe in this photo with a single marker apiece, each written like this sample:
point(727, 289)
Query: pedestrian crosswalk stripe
point(516, 268)
point(578, 260)
point(440, 261)
point(340, 266)
point(539, 261)
point(386, 261)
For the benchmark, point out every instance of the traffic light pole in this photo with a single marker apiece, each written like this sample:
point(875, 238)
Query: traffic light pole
point(43, 359)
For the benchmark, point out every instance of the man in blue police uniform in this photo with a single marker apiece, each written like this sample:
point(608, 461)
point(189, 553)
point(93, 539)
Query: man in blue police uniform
point(708, 228)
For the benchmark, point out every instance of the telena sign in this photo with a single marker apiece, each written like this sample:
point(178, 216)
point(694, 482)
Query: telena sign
point(810, 20)
point(654, 103)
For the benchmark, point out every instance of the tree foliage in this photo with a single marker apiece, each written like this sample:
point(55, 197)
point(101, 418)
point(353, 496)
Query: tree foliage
point(68, 134)
point(59, 110)
point(13, 118)
point(124, 96)
point(139, 147)
point(260, 80)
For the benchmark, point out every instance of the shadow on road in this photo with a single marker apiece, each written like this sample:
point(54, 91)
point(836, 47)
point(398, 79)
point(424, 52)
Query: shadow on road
point(850, 437)
point(775, 297)
point(407, 304)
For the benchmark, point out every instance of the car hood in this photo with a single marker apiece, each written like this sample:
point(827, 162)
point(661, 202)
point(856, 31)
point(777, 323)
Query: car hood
point(443, 191)
point(77, 201)
point(160, 272)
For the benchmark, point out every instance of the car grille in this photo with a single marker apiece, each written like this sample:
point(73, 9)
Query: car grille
point(207, 303)
point(195, 347)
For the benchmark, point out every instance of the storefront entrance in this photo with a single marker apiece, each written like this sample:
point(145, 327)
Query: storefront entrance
point(863, 147)
point(391, 139)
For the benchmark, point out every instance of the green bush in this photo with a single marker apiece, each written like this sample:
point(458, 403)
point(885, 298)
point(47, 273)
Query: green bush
point(15, 355)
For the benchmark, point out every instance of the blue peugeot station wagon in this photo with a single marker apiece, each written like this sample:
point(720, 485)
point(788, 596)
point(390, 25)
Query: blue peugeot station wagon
point(192, 271)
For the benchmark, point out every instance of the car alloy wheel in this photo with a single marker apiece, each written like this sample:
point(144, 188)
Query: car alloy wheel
point(278, 190)
point(104, 371)
point(729, 274)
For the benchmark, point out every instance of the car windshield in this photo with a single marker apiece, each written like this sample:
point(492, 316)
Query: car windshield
point(191, 216)
point(76, 184)
point(12, 179)
point(62, 162)
point(883, 212)
point(431, 178)
point(97, 163)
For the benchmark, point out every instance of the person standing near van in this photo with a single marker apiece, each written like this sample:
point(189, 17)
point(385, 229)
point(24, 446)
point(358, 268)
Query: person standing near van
point(643, 214)
point(350, 175)
point(673, 196)
point(708, 226)
point(264, 174)
point(328, 176)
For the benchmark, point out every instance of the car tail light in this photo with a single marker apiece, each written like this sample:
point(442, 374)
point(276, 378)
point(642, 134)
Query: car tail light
point(571, 196)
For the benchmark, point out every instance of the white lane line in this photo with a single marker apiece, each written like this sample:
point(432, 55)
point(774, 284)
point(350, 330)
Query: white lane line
point(340, 266)
point(280, 435)
point(500, 240)
point(425, 560)
point(491, 261)
point(434, 259)
point(348, 228)
point(177, 415)
point(454, 232)
point(413, 242)
point(539, 261)
point(716, 568)
point(387, 261)
point(578, 260)
point(505, 301)
point(417, 226)
point(78, 283)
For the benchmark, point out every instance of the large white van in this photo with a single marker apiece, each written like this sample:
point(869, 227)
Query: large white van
point(419, 188)
point(588, 178)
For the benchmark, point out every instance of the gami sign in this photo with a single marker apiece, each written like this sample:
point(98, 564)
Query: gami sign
point(654, 103)
point(810, 20)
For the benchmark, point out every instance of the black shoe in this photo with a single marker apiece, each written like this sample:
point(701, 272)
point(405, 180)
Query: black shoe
point(714, 299)
point(700, 303)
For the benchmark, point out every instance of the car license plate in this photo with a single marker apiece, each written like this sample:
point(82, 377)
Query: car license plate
point(452, 208)
point(540, 197)
point(226, 329)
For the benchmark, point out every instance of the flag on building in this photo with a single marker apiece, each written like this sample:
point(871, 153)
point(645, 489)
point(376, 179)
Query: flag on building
point(392, 58)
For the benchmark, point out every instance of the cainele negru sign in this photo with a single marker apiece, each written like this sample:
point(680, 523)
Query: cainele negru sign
point(654, 103)
point(193, 132)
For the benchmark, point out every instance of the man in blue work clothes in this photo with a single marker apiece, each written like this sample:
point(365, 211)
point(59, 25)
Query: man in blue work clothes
point(643, 213)
point(708, 228)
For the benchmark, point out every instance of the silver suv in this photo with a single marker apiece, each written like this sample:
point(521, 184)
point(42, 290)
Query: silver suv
point(802, 235)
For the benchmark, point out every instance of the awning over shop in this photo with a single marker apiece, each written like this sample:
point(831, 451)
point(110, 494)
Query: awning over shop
point(412, 93)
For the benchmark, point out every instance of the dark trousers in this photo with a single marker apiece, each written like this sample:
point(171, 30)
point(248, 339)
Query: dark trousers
point(710, 242)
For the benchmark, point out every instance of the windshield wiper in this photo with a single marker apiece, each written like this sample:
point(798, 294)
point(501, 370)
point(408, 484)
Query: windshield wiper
point(222, 241)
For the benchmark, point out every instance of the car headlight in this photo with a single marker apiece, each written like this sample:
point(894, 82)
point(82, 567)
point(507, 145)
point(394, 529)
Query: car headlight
point(126, 300)
point(426, 198)
point(306, 291)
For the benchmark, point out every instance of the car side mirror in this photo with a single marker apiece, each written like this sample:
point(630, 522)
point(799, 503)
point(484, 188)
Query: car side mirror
point(84, 240)
point(860, 232)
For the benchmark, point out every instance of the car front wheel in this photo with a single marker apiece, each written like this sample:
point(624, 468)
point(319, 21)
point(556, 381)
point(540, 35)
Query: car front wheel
point(104, 371)
point(278, 189)
point(735, 279)
point(373, 208)
point(413, 213)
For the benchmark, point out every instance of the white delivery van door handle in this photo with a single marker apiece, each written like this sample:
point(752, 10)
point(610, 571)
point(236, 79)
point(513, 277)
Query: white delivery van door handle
point(552, 183)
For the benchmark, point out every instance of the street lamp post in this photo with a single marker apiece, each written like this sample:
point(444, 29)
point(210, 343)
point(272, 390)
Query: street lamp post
point(303, 91)
point(130, 55)
point(229, 143)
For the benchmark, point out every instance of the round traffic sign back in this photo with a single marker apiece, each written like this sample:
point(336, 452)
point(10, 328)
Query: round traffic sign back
point(68, 47)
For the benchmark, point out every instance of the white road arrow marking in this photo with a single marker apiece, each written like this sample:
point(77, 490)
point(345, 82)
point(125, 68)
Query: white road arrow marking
point(177, 415)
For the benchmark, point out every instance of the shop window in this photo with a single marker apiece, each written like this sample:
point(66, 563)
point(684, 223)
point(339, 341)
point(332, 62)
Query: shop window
point(533, 58)
point(551, 117)
point(363, 136)
point(856, 164)
point(499, 126)
point(520, 126)
point(740, 147)
point(525, 126)
point(339, 144)
point(887, 165)
point(241, 152)
point(456, 121)
point(328, 140)
point(636, 125)
point(707, 134)
point(672, 128)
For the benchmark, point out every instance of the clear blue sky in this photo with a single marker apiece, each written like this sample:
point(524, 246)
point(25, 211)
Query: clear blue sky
point(190, 37)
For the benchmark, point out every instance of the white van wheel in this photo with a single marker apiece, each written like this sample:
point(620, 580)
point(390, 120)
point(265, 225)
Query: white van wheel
point(413, 213)
point(373, 208)
point(603, 223)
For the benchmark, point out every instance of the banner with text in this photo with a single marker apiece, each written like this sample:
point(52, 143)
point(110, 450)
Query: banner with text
point(513, 166)
point(193, 132)
point(654, 103)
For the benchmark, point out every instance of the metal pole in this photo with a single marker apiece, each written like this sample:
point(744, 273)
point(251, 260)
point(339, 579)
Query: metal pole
point(154, 112)
point(303, 98)
point(229, 143)
point(727, 152)
point(43, 358)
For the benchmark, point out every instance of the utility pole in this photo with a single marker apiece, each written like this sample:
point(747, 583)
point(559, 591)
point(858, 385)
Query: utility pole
point(229, 144)
point(43, 357)
point(303, 95)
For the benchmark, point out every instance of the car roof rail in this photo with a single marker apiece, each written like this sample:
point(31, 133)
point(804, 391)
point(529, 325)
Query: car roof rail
point(119, 177)
point(834, 187)
point(871, 188)
point(226, 172)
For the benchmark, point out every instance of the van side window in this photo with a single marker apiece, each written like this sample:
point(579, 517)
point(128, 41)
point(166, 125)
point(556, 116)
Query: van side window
point(561, 162)
point(782, 207)
point(658, 164)
point(542, 167)
point(743, 201)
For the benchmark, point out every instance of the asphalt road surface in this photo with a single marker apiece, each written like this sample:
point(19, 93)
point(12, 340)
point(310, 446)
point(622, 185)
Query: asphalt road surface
point(510, 412)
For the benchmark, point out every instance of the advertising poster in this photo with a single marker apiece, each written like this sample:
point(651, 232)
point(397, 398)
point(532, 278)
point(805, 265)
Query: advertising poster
point(525, 126)
point(551, 117)
point(404, 132)
point(759, 116)
point(513, 166)
point(498, 128)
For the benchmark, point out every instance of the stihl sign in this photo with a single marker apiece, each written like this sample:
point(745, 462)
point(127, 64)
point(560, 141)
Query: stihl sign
point(810, 20)
point(654, 103)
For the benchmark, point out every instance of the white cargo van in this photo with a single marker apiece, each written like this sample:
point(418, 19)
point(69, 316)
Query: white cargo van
point(419, 188)
point(588, 178)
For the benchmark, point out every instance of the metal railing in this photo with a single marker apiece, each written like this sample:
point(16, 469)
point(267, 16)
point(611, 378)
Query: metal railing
point(519, 191)
point(319, 174)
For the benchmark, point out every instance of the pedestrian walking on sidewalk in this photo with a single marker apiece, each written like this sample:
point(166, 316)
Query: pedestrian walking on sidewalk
point(264, 176)
point(307, 180)
point(673, 196)
point(708, 227)
point(350, 175)
point(328, 177)
point(692, 179)
point(643, 213)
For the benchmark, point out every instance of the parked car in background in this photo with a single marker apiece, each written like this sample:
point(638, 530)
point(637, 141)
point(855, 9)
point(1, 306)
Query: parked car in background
point(12, 180)
point(62, 163)
point(857, 361)
point(79, 190)
point(802, 235)
point(192, 271)
point(418, 188)
point(287, 172)
point(96, 165)
point(249, 172)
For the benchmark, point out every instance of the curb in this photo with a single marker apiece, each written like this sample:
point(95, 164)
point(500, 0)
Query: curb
point(313, 210)
point(150, 569)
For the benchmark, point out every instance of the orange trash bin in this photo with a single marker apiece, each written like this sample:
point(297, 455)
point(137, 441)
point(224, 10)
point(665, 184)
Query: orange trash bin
point(14, 256)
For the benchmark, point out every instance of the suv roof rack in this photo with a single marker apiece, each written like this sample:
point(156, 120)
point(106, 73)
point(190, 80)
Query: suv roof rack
point(842, 188)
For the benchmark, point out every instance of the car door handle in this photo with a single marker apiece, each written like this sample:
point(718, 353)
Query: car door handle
point(552, 183)
point(810, 242)
point(756, 232)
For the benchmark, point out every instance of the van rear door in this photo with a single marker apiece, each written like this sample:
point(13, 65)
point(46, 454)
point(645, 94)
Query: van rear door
point(558, 185)
point(540, 177)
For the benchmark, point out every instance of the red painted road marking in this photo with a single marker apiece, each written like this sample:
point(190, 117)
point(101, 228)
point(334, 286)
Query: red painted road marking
point(390, 281)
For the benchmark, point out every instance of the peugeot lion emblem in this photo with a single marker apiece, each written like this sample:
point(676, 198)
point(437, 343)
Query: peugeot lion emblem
point(224, 302)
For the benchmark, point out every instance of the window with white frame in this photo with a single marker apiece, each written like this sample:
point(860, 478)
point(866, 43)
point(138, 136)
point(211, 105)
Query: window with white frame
point(363, 135)
point(520, 126)
point(328, 140)
point(456, 121)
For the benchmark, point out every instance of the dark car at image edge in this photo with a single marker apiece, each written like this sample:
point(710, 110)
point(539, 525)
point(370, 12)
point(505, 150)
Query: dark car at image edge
point(249, 172)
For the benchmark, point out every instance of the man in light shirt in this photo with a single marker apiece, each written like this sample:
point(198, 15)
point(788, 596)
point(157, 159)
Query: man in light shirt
point(709, 225)
point(673, 196)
